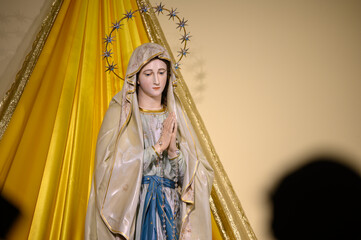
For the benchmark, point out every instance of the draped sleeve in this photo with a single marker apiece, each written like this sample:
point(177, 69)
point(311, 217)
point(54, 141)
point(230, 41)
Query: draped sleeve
point(117, 177)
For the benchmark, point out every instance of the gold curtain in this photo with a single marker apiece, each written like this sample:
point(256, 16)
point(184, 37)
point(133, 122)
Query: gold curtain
point(47, 151)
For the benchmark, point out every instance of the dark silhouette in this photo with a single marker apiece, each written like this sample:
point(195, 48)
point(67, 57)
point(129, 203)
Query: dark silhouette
point(9, 214)
point(320, 200)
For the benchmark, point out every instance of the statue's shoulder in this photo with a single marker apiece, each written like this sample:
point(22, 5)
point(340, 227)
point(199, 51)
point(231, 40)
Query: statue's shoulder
point(117, 98)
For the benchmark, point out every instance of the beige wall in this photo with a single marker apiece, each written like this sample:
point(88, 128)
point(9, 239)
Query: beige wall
point(20, 21)
point(274, 81)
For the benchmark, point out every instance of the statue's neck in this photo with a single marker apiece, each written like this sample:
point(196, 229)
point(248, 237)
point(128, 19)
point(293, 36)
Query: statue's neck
point(149, 103)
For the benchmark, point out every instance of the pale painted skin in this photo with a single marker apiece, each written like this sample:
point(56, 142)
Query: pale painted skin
point(152, 81)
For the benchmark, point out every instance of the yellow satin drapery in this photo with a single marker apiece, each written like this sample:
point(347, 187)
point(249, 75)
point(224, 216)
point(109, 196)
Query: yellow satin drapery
point(48, 148)
point(47, 152)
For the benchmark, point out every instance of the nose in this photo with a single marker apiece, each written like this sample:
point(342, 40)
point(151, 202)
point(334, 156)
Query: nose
point(156, 80)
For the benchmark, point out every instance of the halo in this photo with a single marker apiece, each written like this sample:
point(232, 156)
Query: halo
point(129, 15)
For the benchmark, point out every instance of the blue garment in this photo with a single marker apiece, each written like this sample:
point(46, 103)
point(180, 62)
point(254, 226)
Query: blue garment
point(153, 205)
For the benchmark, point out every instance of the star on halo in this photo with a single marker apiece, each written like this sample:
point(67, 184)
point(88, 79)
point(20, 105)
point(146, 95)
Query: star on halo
point(129, 15)
point(183, 51)
point(111, 67)
point(107, 53)
point(177, 66)
point(182, 23)
point(159, 8)
point(144, 9)
point(108, 39)
point(172, 14)
point(117, 25)
point(185, 37)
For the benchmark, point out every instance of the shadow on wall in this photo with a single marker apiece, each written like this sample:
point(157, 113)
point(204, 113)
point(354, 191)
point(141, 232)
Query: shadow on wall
point(319, 200)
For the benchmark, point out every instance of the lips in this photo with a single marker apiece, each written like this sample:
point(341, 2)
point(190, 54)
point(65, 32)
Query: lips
point(156, 88)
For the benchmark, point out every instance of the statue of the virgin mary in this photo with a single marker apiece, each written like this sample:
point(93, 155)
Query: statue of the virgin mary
point(151, 178)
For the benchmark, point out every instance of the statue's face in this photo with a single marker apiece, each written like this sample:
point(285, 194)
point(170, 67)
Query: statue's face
point(152, 79)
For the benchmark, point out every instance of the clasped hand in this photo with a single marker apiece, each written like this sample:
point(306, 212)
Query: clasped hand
point(167, 140)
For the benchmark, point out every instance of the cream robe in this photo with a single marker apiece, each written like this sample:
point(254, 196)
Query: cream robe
point(115, 191)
